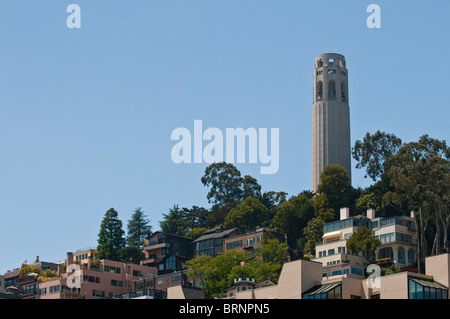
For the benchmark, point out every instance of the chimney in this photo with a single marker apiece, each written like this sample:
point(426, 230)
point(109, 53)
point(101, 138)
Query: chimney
point(345, 213)
point(69, 260)
point(371, 213)
point(37, 259)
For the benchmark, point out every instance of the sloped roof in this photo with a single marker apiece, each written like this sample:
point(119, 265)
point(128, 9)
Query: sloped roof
point(216, 234)
point(11, 274)
point(428, 283)
point(321, 288)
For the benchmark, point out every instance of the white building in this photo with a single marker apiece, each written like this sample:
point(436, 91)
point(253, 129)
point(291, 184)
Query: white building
point(398, 236)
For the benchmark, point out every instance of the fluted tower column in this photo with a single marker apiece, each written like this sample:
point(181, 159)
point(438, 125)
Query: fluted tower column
point(331, 115)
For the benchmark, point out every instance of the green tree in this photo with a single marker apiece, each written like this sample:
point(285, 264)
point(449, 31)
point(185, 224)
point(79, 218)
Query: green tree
point(365, 201)
point(274, 254)
point(138, 228)
point(218, 213)
point(199, 268)
point(274, 251)
point(293, 216)
point(227, 185)
point(27, 269)
point(48, 273)
point(363, 241)
point(131, 254)
point(273, 201)
point(213, 272)
point(419, 174)
point(247, 215)
point(322, 209)
point(175, 222)
point(374, 151)
point(336, 191)
point(218, 273)
point(313, 233)
point(250, 187)
point(197, 217)
point(195, 233)
point(111, 236)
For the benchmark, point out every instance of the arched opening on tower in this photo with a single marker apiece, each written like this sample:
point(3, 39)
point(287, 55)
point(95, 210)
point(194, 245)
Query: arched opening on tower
point(330, 62)
point(342, 63)
point(320, 63)
point(331, 90)
point(343, 92)
point(319, 93)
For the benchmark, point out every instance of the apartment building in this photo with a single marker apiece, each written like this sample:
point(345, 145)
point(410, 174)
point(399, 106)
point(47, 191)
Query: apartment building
point(103, 279)
point(216, 241)
point(302, 279)
point(398, 236)
point(251, 241)
point(26, 286)
point(85, 255)
point(167, 252)
point(157, 287)
point(211, 243)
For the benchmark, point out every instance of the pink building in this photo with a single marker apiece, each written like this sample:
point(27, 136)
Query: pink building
point(100, 279)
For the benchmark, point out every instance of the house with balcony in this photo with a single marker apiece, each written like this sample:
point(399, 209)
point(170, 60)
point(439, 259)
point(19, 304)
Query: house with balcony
point(251, 241)
point(101, 279)
point(85, 255)
point(26, 286)
point(211, 243)
point(157, 287)
point(302, 279)
point(398, 236)
point(167, 252)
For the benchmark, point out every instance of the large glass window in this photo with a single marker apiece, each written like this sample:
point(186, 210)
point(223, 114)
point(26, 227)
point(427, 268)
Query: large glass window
point(175, 278)
point(234, 244)
point(161, 239)
point(387, 238)
point(357, 222)
point(356, 271)
point(404, 238)
point(411, 256)
point(401, 255)
point(330, 291)
point(170, 263)
point(54, 289)
point(386, 252)
point(424, 289)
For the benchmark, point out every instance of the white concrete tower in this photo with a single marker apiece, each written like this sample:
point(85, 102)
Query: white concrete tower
point(331, 116)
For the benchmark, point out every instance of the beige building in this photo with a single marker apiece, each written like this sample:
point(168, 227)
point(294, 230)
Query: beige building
point(85, 256)
point(398, 237)
point(302, 279)
point(336, 273)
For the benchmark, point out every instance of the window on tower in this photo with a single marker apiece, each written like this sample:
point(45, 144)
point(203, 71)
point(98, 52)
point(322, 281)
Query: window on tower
point(331, 90)
point(319, 91)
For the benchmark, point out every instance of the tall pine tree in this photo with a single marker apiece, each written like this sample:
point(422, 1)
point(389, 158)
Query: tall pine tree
point(111, 236)
point(138, 228)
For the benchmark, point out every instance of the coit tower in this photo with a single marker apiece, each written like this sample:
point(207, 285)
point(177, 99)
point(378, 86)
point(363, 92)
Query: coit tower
point(330, 115)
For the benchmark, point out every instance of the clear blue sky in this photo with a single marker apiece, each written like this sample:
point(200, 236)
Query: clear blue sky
point(86, 114)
